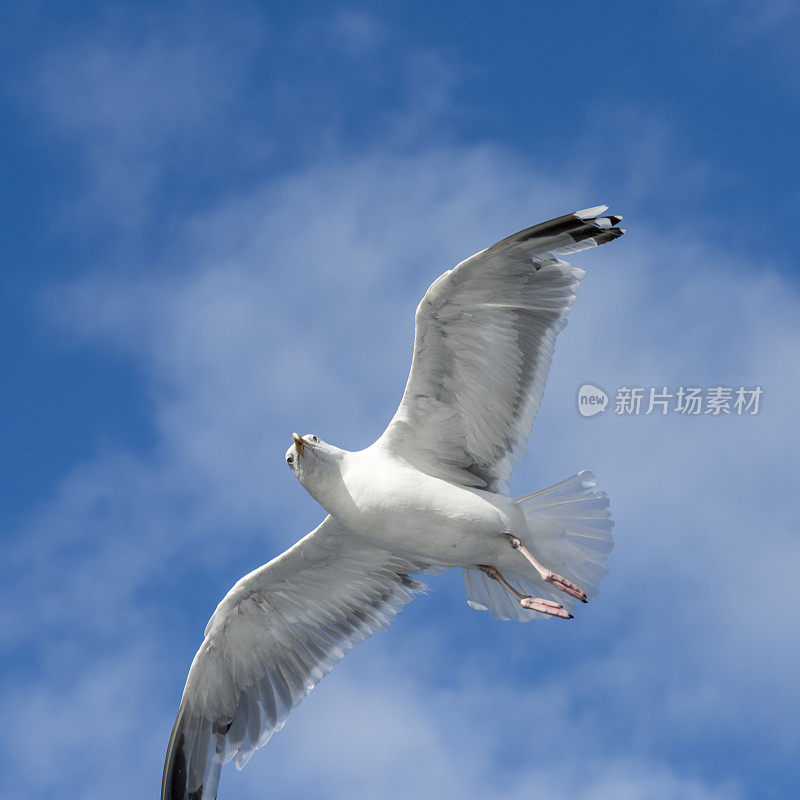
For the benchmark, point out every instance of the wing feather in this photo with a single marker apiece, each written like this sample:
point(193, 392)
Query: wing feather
point(484, 342)
point(273, 637)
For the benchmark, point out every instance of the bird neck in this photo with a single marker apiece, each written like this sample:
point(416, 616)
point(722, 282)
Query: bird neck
point(331, 491)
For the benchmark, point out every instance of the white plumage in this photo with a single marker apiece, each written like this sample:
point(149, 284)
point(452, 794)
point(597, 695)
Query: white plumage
point(431, 493)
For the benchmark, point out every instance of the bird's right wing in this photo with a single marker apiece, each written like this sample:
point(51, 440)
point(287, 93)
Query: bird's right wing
point(270, 641)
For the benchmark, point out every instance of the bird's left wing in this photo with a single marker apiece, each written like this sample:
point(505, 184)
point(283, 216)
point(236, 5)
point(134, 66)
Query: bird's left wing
point(485, 333)
point(271, 639)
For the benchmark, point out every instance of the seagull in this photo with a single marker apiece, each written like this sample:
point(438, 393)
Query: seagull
point(431, 493)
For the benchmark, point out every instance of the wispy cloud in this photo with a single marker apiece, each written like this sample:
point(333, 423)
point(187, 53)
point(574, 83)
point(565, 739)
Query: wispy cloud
point(127, 91)
point(748, 21)
point(289, 304)
point(763, 33)
point(234, 362)
point(356, 31)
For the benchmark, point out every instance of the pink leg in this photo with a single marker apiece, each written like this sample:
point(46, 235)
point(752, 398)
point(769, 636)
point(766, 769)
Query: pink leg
point(548, 575)
point(533, 603)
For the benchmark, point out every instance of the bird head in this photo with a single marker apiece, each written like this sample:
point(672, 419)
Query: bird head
point(311, 460)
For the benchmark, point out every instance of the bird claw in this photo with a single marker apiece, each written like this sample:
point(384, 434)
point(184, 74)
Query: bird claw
point(535, 603)
point(558, 581)
point(545, 607)
point(566, 586)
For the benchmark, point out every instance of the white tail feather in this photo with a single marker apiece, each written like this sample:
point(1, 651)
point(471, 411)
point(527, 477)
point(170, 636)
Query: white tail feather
point(569, 532)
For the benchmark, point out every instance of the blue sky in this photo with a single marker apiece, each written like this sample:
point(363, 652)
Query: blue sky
point(176, 176)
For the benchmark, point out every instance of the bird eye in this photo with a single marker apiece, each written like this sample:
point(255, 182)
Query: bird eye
point(315, 438)
point(290, 460)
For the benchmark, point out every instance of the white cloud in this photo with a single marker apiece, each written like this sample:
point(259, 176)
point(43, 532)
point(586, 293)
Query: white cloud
point(749, 21)
point(129, 94)
point(357, 32)
point(459, 736)
point(262, 329)
point(290, 306)
point(87, 731)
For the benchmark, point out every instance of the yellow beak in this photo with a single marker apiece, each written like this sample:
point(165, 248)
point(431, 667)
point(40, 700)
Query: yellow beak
point(299, 443)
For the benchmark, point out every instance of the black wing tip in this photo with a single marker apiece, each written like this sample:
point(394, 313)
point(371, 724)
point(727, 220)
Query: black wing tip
point(588, 223)
point(173, 781)
point(595, 224)
point(553, 227)
point(176, 777)
point(609, 235)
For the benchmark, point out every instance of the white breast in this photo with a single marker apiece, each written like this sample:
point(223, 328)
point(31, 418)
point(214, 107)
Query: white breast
point(407, 511)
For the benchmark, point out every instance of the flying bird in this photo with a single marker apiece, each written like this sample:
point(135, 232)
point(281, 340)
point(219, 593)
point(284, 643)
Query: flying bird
point(429, 494)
